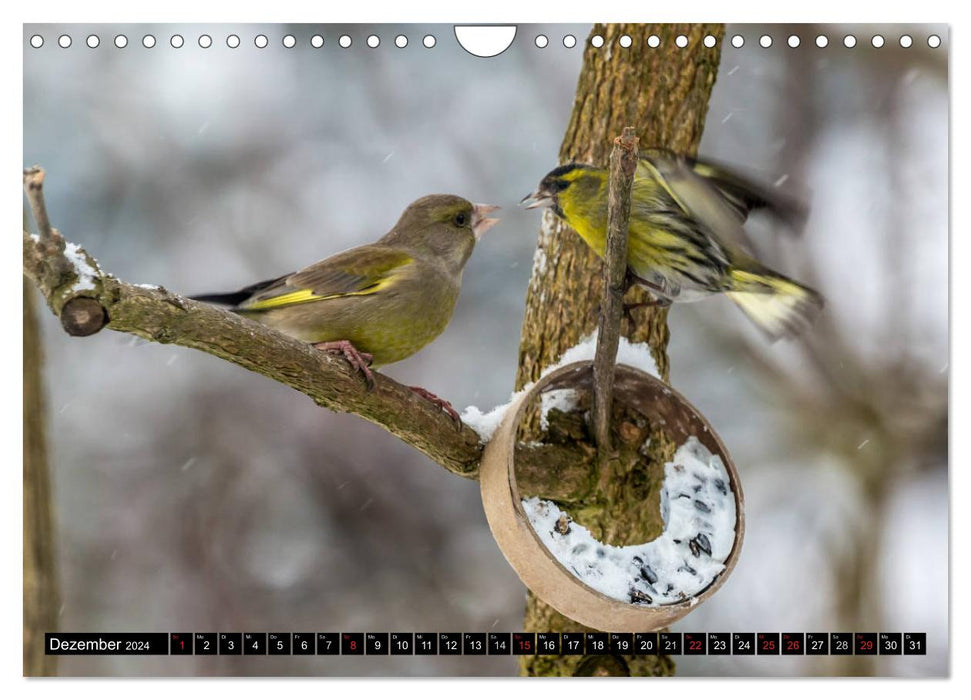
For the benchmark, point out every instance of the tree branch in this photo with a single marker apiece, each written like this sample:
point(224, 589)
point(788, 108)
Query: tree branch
point(623, 163)
point(34, 187)
point(87, 299)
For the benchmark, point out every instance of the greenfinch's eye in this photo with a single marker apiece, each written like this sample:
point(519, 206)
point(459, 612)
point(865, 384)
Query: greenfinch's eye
point(461, 219)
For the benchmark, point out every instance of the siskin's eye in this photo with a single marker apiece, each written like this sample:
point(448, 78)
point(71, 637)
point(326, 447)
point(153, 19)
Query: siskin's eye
point(461, 219)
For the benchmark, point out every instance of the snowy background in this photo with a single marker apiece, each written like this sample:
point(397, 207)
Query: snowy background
point(226, 502)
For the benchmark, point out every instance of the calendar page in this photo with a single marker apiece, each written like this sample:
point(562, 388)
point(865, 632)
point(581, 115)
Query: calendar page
point(428, 350)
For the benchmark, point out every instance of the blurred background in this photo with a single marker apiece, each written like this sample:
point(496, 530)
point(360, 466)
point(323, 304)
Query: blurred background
point(191, 495)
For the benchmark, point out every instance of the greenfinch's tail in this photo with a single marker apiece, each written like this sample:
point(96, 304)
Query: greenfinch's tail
point(237, 298)
point(777, 305)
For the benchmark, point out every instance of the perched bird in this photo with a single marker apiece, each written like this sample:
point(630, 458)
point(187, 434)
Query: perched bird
point(379, 303)
point(686, 238)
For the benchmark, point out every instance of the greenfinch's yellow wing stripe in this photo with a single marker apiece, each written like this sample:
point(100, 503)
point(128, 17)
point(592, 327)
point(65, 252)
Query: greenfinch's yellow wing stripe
point(297, 297)
point(357, 272)
point(304, 295)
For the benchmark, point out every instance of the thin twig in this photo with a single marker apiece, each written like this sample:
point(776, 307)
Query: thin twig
point(34, 187)
point(623, 163)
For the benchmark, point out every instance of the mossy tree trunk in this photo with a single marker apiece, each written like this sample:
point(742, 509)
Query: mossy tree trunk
point(663, 92)
point(40, 583)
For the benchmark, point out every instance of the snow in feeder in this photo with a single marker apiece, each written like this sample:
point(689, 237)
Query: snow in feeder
point(698, 510)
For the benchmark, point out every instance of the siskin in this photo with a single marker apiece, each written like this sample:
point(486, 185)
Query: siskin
point(379, 303)
point(686, 238)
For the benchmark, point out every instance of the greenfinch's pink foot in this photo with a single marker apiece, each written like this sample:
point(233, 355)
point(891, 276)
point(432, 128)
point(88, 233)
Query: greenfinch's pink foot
point(360, 361)
point(440, 402)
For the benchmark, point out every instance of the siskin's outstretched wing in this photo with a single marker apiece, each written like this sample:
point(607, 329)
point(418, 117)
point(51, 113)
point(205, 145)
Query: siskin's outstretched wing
point(719, 198)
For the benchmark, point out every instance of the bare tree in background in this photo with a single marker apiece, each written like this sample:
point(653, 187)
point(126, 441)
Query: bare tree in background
point(884, 416)
point(40, 574)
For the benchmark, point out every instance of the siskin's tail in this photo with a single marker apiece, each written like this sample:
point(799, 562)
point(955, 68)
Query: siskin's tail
point(780, 307)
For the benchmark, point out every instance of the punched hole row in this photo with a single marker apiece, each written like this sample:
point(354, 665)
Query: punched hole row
point(233, 41)
point(765, 41)
point(541, 41)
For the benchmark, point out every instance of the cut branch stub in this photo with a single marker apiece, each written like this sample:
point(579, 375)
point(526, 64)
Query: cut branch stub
point(82, 316)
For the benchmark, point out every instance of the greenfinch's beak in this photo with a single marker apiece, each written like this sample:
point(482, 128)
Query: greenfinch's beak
point(480, 223)
point(539, 198)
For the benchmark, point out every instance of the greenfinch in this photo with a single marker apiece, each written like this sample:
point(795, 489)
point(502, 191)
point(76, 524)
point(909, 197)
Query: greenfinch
point(686, 238)
point(379, 303)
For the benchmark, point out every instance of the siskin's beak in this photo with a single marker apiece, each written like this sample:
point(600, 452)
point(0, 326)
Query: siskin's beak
point(539, 198)
point(480, 222)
